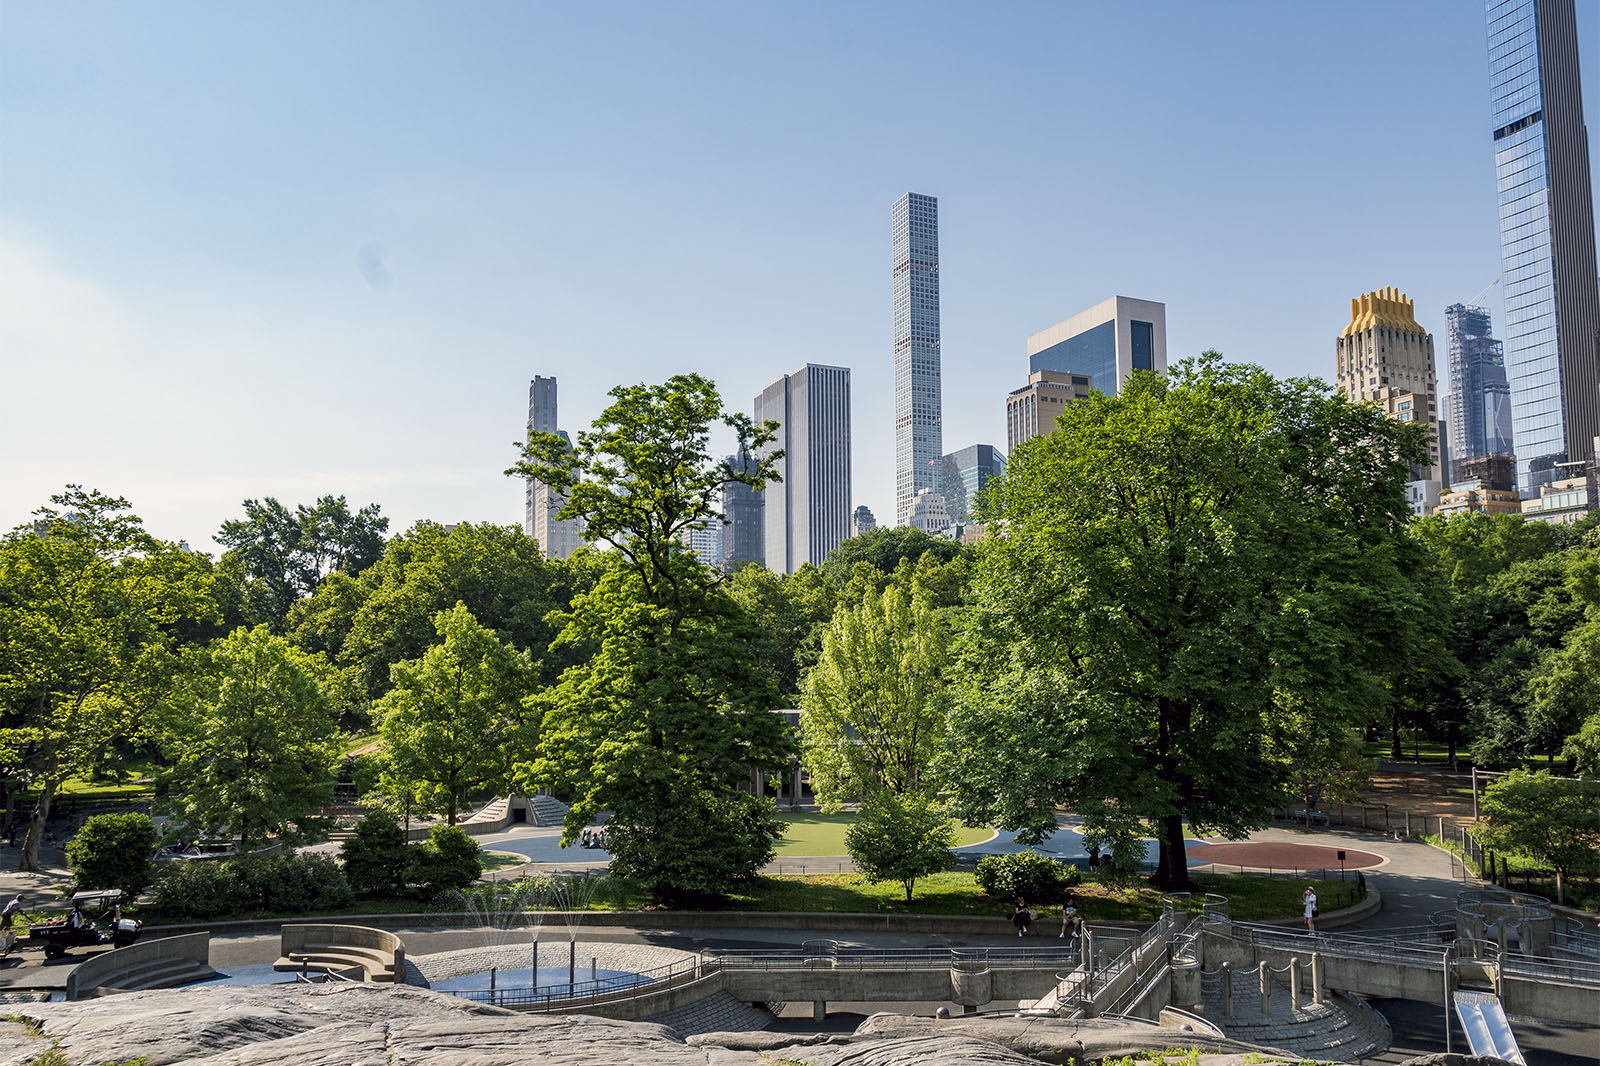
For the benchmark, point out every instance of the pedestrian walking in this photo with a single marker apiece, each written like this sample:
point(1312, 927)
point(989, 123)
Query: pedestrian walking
point(1310, 902)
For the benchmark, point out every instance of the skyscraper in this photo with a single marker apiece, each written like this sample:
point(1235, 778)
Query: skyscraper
point(742, 506)
point(965, 473)
point(557, 537)
point(807, 514)
point(541, 419)
point(1032, 410)
point(1385, 358)
point(918, 432)
point(863, 522)
point(1107, 342)
point(1541, 155)
point(1480, 396)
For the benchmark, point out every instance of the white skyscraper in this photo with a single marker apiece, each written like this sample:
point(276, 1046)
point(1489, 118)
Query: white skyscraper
point(918, 432)
point(807, 514)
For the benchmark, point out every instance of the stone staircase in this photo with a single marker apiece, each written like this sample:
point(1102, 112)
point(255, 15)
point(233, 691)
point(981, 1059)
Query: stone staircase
point(1341, 1028)
point(159, 973)
point(546, 811)
point(493, 811)
point(376, 965)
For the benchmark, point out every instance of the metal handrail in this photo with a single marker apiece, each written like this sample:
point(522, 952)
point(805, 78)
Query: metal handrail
point(594, 991)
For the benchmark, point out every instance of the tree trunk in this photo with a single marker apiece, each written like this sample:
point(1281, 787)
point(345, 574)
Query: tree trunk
point(1394, 736)
point(1172, 871)
point(28, 861)
point(451, 809)
point(1561, 888)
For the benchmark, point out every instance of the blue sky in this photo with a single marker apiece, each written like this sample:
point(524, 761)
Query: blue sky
point(294, 248)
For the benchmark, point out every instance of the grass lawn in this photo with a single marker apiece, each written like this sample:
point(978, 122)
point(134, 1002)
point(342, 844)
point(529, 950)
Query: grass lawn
point(823, 834)
point(500, 860)
point(1250, 898)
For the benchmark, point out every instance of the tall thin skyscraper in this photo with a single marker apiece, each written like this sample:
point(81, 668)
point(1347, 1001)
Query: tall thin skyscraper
point(918, 418)
point(1541, 155)
point(807, 514)
point(541, 419)
point(557, 537)
point(1480, 396)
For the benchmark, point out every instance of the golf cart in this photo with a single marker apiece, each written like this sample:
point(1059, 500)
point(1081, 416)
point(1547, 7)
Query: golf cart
point(105, 907)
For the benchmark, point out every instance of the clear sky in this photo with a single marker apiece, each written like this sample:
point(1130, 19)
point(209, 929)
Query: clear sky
point(291, 248)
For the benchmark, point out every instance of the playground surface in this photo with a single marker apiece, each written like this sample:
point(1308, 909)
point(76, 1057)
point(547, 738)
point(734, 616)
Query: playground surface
point(1282, 855)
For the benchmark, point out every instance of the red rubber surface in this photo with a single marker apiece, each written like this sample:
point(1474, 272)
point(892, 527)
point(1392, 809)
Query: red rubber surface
point(1266, 854)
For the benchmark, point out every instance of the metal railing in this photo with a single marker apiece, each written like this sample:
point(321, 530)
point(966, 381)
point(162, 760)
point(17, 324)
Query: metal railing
point(580, 993)
point(830, 954)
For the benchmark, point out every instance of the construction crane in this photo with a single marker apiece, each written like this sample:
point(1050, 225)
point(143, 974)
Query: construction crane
point(1485, 290)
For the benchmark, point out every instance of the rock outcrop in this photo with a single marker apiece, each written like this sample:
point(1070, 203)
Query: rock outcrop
point(368, 1025)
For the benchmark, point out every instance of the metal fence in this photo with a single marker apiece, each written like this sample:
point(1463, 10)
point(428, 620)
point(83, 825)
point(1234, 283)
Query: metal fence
point(830, 954)
point(580, 993)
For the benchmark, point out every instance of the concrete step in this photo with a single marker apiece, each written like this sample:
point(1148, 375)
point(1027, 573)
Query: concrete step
point(165, 973)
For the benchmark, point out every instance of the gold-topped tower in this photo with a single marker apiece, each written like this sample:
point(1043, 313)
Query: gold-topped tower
point(1386, 307)
point(1384, 357)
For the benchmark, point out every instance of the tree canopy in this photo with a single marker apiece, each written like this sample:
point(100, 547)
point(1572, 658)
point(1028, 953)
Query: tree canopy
point(253, 742)
point(666, 715)
point(90, 605)
point(455, 716)
point(1181, 565)
point(873, 707)
point(288, 553)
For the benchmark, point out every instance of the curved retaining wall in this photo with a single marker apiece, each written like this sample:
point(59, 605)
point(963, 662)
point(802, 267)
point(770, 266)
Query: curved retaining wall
point(101, 970)
point(295, 938)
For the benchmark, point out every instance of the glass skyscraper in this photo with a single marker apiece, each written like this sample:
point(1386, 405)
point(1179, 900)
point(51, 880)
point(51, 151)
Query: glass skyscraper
point(1547, 245)
point(1480, 395)
point(918, 425)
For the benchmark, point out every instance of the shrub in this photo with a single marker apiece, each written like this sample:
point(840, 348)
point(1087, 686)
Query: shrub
point(277, 884)
point(113, 851)
point(375, 855)
point(447, 860)
point(288, 884)
point(1034, 877)
point(198, 890)
point(901, 840)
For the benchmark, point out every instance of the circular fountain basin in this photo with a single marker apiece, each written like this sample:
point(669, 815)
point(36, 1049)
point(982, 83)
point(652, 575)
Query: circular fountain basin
point(552, 979)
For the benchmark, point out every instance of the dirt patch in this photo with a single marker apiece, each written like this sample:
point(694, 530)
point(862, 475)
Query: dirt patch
point(1426, 790)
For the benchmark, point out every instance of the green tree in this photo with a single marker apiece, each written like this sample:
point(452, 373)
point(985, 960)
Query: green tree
point(89, 606)
point(496, 571)
point(1553, 820)
point(374, 855)
point(665, 718)
point(286, 553)
point(113, 851)
point(1180, 564)
point(873, 707)
point(454, 716)
point(789, 611)
point(253, 742)
point(885, 548)
point(901, 838)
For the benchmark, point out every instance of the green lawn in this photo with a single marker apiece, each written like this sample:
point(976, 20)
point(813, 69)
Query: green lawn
point(823, 834)
point(500, 860)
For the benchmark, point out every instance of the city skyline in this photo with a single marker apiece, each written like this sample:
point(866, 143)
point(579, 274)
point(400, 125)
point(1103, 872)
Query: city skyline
point(337, 282)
